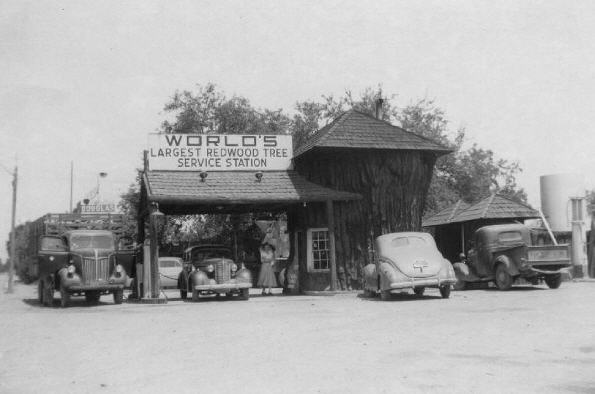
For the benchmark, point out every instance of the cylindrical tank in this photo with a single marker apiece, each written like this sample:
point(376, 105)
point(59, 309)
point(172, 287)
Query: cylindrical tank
point(556, 191)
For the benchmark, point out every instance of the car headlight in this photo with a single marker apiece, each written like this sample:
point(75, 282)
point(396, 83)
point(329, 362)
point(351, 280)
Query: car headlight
point(210, 268)
point(119, 269)
point(234, 267)
point(71, 269)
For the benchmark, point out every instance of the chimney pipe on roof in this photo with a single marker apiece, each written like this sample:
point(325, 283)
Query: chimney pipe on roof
point(379, 102)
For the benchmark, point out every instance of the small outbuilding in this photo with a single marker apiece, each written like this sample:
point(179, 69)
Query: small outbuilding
point(454, 226)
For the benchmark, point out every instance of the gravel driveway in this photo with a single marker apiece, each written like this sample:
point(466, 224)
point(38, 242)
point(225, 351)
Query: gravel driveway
point(524, 340)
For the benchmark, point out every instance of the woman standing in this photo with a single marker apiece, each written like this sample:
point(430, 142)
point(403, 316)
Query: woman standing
point(266, 278)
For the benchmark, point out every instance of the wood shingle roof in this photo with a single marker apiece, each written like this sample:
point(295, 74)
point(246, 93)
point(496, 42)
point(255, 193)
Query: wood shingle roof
point(237, 187)
point(446, 215)
point(492, 207)
point(354, 129)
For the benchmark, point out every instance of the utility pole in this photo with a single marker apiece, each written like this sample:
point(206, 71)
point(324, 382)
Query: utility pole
point(71, 183)
point(13, 254)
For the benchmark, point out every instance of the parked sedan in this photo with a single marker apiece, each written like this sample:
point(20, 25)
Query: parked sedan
point(210, 269)
point(407, 261)
point(169, 271)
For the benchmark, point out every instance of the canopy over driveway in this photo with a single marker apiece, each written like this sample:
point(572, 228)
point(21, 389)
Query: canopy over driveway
point(185, 192)
point(196, 192)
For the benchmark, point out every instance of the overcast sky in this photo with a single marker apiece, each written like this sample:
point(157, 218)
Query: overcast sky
point(86, 81)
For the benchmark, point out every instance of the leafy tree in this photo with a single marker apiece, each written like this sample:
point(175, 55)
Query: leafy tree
point(209, 111)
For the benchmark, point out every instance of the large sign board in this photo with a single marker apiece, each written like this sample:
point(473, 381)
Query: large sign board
point(220, 152)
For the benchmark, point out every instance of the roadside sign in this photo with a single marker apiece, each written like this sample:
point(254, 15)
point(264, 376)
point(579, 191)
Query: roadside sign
point(220, 152)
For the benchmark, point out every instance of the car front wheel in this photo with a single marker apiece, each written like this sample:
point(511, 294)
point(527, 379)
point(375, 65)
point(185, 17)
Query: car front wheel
point(385, 295)
point(445, 291)
point(419, 291)
point(245, 294)
point(195, 295)
point(503, 278)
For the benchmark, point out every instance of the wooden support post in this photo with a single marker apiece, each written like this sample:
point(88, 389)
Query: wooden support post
point(331, 238)
point(156, 221)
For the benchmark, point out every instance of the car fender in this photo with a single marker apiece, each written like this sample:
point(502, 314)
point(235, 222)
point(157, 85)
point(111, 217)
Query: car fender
point(198, 278)
point(370, 277)
point(388, 274)
point(244, 275)
point(446, 271)
point(511, 268)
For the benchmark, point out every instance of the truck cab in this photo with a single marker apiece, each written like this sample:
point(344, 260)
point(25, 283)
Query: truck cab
point(503, 253)
point(82, 262)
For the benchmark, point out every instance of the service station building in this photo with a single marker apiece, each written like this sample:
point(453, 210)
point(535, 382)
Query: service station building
point(357, 178)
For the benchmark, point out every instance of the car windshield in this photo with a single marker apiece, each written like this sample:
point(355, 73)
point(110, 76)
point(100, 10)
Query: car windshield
point(203, 254)
point(91, 242)
point(169, 263)
point(407, 241)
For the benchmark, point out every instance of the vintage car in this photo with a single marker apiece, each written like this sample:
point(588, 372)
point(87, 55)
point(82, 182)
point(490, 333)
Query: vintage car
point(404, 261)
point(503, 253)
point(169, 272)
point(210, 269)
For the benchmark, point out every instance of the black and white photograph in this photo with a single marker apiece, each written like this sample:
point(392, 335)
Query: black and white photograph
point(297, 196)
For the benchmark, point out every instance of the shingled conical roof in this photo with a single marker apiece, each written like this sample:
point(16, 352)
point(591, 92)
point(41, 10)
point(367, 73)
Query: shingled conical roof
point(446, 215)
point(492, 207)
point(357, 130)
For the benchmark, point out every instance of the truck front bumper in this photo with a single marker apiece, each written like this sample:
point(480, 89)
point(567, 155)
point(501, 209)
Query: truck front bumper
point(534, 270)
point(97, 287)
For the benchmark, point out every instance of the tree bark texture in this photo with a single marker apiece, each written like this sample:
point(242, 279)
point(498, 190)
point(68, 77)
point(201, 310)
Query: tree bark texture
point(394, 186)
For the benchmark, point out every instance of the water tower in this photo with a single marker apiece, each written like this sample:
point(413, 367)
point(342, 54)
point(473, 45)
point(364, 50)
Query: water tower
point(563, 202)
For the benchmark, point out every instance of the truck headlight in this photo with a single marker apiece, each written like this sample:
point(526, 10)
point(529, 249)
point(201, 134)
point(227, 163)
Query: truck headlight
point(234, 268)
point(119, 269)
point(71, 269)
point(210, 268)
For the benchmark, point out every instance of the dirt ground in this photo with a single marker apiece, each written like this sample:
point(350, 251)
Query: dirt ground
point(480, 341)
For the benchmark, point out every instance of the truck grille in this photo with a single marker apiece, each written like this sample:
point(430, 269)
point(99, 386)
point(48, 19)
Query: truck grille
point(222, 272)
point(95, 269)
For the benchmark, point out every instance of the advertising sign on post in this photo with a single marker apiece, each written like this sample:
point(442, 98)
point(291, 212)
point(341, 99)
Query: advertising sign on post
point(220, 152)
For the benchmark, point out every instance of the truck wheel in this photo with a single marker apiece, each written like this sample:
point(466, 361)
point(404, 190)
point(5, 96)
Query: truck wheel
point(503, 278)
point(445, 291)
point(369, 293)
point(385, 295)
point(245, 294)
point(40, 292)
point(195, 295)
point(419, 291)
point(118, 296)
point(92, 297)
point(183, 294)
point(64, 297)
point(460, 285)
point(48, 294)
point(553, 281)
